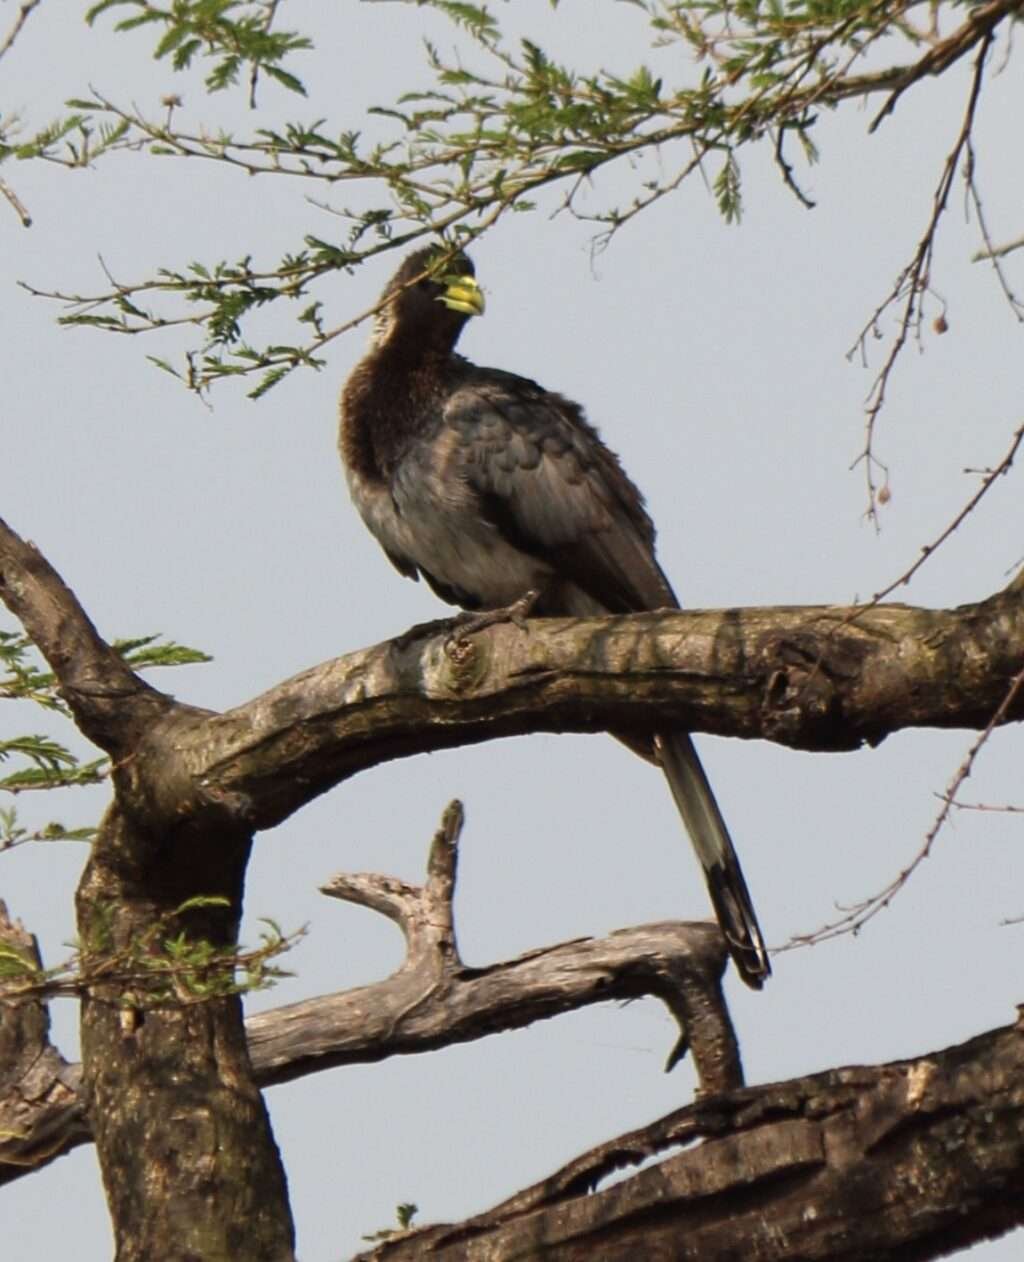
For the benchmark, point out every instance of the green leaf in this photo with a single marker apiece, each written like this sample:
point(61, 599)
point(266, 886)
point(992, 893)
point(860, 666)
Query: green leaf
point(287, 80)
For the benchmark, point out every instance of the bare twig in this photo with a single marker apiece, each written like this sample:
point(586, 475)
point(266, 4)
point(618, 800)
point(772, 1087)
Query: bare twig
point(24, 13)
point(268, 22)
point(913, 281)
point(854, 918)
point(983, 806)
point(990, 252)
point(989, 477)
point(997, 251)
point(19, 206)
point(787, 171)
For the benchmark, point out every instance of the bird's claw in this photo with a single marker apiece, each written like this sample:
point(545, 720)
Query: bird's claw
point(467, 624)
point(421, 631)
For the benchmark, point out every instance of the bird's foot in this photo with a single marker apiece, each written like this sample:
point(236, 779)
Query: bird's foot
point(422, 631)
point(467, 624)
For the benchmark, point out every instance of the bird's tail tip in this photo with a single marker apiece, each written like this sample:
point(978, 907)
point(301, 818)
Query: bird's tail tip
point(739, 926)
point(710, 837)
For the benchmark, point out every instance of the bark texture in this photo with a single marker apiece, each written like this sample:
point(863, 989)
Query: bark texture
point(888, 1163)
point(41, 1114)
point(813, 677)
point(189, 1163)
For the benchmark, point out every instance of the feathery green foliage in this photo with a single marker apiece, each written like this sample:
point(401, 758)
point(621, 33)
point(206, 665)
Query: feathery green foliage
point(41, 762)
point(166, 966)
point(499, 126)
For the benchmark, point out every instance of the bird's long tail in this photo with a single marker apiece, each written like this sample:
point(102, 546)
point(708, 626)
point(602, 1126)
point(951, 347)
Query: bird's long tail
point(714, 848)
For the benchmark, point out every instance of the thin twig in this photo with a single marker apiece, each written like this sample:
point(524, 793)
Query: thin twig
point(990, 252)
point(787, 172)
point(928, 549)
point(271, 12)
point(985, 806)
point(19, 207)
point(912, 283)
point(23, 16)
point(997, 251)
point(856, 917)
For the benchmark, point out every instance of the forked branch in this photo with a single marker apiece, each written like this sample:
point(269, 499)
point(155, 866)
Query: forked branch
point(432, 1001)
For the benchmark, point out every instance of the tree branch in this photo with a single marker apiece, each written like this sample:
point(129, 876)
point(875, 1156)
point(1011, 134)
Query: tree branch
point(895, 1163)
point(432, 1001)
point(815, 678)
point(871, 1161)
point(41, 1114)
point(111, 704)
point(812, 677)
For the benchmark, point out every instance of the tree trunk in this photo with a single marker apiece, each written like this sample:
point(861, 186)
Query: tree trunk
point(189, 1164)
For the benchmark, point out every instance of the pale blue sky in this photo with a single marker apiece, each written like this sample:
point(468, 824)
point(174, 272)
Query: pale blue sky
point(713, 360)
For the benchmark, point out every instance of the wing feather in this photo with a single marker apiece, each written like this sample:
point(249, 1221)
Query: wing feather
point(552, 489)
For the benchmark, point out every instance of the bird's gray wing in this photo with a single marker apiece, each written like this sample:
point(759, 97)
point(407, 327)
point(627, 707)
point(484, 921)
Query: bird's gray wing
point(545, 480)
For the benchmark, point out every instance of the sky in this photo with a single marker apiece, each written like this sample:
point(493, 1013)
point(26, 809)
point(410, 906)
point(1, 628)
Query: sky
point(713, 358)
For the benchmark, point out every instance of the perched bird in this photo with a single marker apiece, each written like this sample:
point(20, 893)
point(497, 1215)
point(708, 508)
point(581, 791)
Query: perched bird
point(492, 487)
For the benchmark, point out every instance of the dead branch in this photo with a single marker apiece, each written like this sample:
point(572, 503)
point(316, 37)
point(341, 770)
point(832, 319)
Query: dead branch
point(435, 1000)
point(432, 1001)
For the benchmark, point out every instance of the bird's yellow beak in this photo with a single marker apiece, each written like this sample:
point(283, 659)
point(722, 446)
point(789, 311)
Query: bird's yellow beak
point(462, 293)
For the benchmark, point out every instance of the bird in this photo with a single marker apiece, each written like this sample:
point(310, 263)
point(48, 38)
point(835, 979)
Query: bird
point(501, 494)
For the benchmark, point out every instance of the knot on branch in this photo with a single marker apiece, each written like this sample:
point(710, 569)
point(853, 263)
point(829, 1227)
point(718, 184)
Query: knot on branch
point(802, 703)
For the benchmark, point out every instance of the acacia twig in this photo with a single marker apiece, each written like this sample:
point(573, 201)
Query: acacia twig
point(854, 918)
point(24, 13)
point(913, 281)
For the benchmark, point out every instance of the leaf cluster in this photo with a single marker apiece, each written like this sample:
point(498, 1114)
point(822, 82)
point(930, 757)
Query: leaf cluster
point(42, 762)
point(405, 1212)
point(234, 36)
point(165, 966)
point(500, 121)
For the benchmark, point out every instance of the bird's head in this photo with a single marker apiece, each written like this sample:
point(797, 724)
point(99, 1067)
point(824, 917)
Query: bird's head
point(429, 298)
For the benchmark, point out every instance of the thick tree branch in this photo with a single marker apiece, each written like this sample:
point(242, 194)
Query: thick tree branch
point(893, 1163)
point(812, 677)
point(815, 677)
point(111, 704)
point(196, 784)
